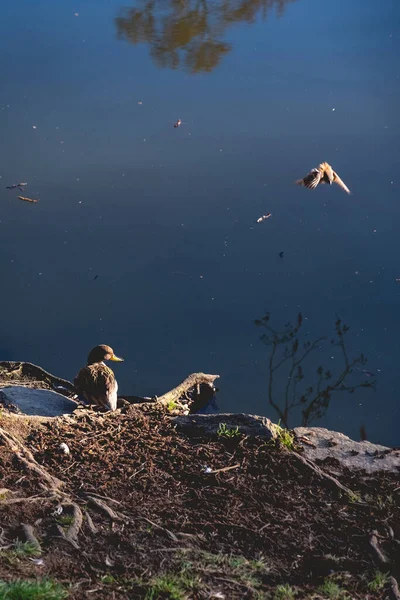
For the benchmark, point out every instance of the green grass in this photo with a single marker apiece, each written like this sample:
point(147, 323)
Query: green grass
point(284, 436)
point(224, 431)
point(32, 590)
point(65, 520)
point(20, 550)
point(333, 591)
point(378, 582)
point(176, 586)
point(284, 592)
point(171, 405)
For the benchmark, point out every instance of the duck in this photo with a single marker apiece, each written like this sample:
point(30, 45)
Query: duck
point(322, 174)
point(96, 383)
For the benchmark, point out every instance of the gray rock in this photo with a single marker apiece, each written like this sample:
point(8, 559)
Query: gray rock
point(207, 425)
point(354, 455)
point(35, 402)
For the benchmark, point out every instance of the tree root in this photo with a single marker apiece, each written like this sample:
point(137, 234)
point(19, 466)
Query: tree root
point(375, 546)
point(167, 531)
point(72, 533)
point(105, 508)
point(90, 523)
point(29, 533)
point(395, 588)
point(26, 457)
point(329, 479)
point(28, 499)
point(190, 382)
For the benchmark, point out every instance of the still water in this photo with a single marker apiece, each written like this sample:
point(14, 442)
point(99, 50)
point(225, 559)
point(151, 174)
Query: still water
point(166, 217)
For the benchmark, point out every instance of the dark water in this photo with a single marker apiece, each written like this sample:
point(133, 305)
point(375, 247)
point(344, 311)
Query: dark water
point(166, 217)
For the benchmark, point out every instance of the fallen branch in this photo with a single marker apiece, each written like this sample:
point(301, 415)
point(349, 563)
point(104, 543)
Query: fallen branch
point(29, 533)
point(105, 508)
point(375, 545)
point(333, 482)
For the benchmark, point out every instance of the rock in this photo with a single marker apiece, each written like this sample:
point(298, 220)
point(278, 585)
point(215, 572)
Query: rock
point(35, 402)
point(208, 424)
point(323, 444)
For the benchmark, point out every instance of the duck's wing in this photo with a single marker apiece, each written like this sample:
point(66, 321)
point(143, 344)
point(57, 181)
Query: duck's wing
point(97, 385)
point(311, 180)
point(337, 180)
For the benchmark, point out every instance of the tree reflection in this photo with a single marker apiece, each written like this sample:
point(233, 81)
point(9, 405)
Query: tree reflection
point(189, 34)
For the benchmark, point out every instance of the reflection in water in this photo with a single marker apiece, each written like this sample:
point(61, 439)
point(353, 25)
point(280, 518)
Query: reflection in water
point(188, 34)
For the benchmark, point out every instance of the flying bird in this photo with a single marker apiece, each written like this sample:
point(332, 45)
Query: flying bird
point(96, 382)
point(322, 174)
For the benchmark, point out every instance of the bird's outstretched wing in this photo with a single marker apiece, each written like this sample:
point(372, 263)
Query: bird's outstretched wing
point(311, 180)
point(337, 180)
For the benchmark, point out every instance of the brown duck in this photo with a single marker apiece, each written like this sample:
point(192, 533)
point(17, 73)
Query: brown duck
point(96, 382)
point(322, 174)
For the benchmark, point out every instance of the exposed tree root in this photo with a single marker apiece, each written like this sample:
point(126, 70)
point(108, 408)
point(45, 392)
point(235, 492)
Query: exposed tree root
point(26, 457)
point(72, 533)
point(375, 546)
point(395, 588)
point(29, 533)
point(189, 383)
point(167, 531)
point(329, 479)
point(28, 499)
point(105, 508)
point(90, 523)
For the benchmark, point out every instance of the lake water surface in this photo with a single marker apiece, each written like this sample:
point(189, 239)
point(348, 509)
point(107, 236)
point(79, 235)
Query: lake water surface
point(166, 217)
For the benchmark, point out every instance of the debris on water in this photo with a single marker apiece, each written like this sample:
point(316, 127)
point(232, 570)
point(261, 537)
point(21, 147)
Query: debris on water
point(140, 102)
point(281, 254)
point(32, 200)
point(64, 448)
point(34, 126)
point(398, 279)
point(264, 217)
point(178, 123)
point(368, 373)
point(20, 186)
point(76, 14)
point(207, 469)
point(95, 277)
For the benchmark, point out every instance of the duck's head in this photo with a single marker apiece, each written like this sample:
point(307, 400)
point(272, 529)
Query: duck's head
point(102, 353)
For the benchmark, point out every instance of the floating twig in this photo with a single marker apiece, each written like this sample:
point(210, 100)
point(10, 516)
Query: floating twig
point(25, 199)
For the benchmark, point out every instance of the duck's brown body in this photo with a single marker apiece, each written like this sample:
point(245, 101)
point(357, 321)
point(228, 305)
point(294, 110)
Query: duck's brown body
point(322, 174)
point(96, 382)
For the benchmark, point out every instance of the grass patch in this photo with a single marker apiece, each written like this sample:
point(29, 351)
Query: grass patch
point(333, 591)
point(379, 581)
point(224, 431)
point(171, 405)
point(176, 586)
point(32, 590)
point(284, 592)
point(65, 520)
point(284, 436)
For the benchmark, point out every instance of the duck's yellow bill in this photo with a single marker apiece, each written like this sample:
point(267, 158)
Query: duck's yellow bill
point(116, 359)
